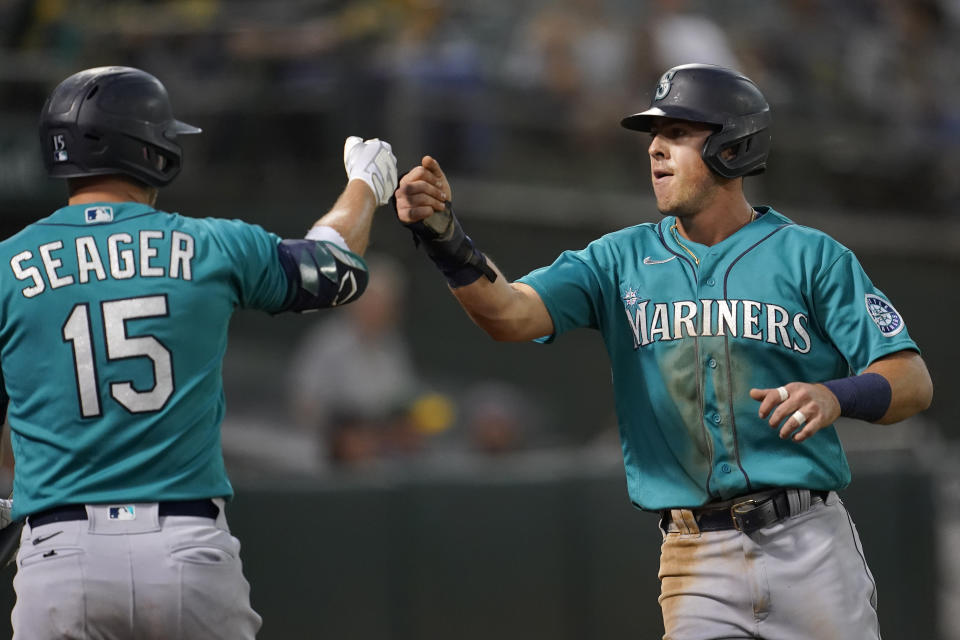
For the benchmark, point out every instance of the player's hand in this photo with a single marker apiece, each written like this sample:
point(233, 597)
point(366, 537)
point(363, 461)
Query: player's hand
point(817, 407)
point(422, 191)
point(9, 533)
point(373, 162)
point(6, 506)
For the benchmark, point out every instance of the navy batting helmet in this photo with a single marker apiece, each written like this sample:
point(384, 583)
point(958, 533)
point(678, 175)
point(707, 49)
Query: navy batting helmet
point(721, 97)
point(111, 120)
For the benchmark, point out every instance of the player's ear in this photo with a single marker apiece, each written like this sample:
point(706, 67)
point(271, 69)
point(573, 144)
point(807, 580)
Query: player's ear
point(730, 152)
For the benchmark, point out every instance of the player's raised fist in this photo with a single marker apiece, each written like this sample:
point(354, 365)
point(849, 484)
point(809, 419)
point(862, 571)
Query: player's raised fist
point(422, 191)
point(373, 162)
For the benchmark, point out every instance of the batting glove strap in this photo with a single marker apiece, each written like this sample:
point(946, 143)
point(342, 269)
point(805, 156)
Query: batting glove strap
point(865, 397)
point(373, 162)
point(451, 249)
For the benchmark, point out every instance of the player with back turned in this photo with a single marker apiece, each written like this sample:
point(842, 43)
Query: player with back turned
point(737, 338)
point(112, 335)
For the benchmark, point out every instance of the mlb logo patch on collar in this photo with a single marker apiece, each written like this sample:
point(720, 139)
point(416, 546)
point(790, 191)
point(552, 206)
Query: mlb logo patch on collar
point(92, 215)
point(122, 512)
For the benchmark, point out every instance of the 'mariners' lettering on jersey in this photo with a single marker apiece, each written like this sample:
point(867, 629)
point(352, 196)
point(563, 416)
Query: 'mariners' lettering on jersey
point(735, 318)
point(126, 257)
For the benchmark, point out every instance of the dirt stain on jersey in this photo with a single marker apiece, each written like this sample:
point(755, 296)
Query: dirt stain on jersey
point(685, 386)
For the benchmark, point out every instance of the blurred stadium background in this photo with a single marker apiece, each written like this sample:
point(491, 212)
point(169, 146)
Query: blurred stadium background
point(529, 535)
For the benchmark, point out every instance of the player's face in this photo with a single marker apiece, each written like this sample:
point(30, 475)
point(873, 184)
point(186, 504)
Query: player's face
point(682, 182)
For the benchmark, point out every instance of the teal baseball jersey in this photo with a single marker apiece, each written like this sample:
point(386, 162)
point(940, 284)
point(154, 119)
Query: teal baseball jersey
point(690, 329)
point(112, 334)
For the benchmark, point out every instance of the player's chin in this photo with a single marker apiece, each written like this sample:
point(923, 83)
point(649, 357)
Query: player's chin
point(668, 207)
point(680, 207)
point(667, 201)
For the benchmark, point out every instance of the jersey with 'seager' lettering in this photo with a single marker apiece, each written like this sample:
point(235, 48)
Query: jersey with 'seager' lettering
point(112, 335)
point(774, 303)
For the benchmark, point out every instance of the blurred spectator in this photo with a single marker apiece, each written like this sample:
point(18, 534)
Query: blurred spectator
point(499, 418)
point(433, 66)
point(355, 387)
point(571, 49)
point(681, 36)
point(487, 85)
point(791, 49)
point(541, 53)
point(354, 384)
point(900, 76)
point(46, 26)
point(580, 65)
point(902, 67)
point(495, 420)
point(15, 20)
point(612, 65)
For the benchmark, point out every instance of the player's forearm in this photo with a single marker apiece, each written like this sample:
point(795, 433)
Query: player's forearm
point(371, 178)
point(505, 311)
point(911, 389)
point(352, 215)
point(508, 312)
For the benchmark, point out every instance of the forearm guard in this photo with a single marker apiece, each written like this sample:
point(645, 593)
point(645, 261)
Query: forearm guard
point(321, 274)
point(450, 248)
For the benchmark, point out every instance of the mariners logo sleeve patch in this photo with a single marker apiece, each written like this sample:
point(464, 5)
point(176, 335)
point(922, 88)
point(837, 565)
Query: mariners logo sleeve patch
point(884, 315)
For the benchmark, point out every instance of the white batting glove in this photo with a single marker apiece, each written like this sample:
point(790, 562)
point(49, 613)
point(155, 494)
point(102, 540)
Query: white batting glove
point(373, 162)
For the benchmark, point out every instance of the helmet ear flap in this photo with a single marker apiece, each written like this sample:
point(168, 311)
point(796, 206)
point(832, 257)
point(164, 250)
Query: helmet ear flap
point(155, 159)
point(742, 150)
point(742, 157)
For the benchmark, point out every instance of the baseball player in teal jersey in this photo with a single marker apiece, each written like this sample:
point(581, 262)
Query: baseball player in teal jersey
point(112, 335)
point(736, 338)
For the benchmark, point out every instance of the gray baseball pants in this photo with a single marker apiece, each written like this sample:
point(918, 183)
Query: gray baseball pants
point(803, 577)
point(146, 578)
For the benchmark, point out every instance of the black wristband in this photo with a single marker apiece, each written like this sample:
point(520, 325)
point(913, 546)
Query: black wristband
point(865, 397)
point(450, 248)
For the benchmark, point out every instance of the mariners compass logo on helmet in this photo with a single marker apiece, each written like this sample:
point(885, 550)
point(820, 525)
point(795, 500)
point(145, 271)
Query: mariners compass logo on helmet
point(663, 87)
point(887, 318)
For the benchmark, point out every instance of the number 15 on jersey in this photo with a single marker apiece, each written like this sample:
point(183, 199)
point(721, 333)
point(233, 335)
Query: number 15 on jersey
point(78, 332)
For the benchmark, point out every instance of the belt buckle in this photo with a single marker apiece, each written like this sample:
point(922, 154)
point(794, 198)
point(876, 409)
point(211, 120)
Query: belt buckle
point(739, 508)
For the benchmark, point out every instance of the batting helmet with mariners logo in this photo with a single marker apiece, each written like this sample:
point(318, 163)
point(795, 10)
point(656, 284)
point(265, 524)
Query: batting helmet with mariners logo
point(112, 120)
point(721, 97)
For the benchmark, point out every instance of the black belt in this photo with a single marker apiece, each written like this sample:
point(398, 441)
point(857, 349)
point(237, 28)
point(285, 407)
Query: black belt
point(746, 514)
point(199, 508)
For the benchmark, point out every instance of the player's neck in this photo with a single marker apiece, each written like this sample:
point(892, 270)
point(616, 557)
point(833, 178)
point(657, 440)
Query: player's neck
point(110, 189)
point(716, 223)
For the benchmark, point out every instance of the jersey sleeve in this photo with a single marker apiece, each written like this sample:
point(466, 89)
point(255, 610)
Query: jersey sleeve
point(570, 289)
point(251, 257)
point(858, 318)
